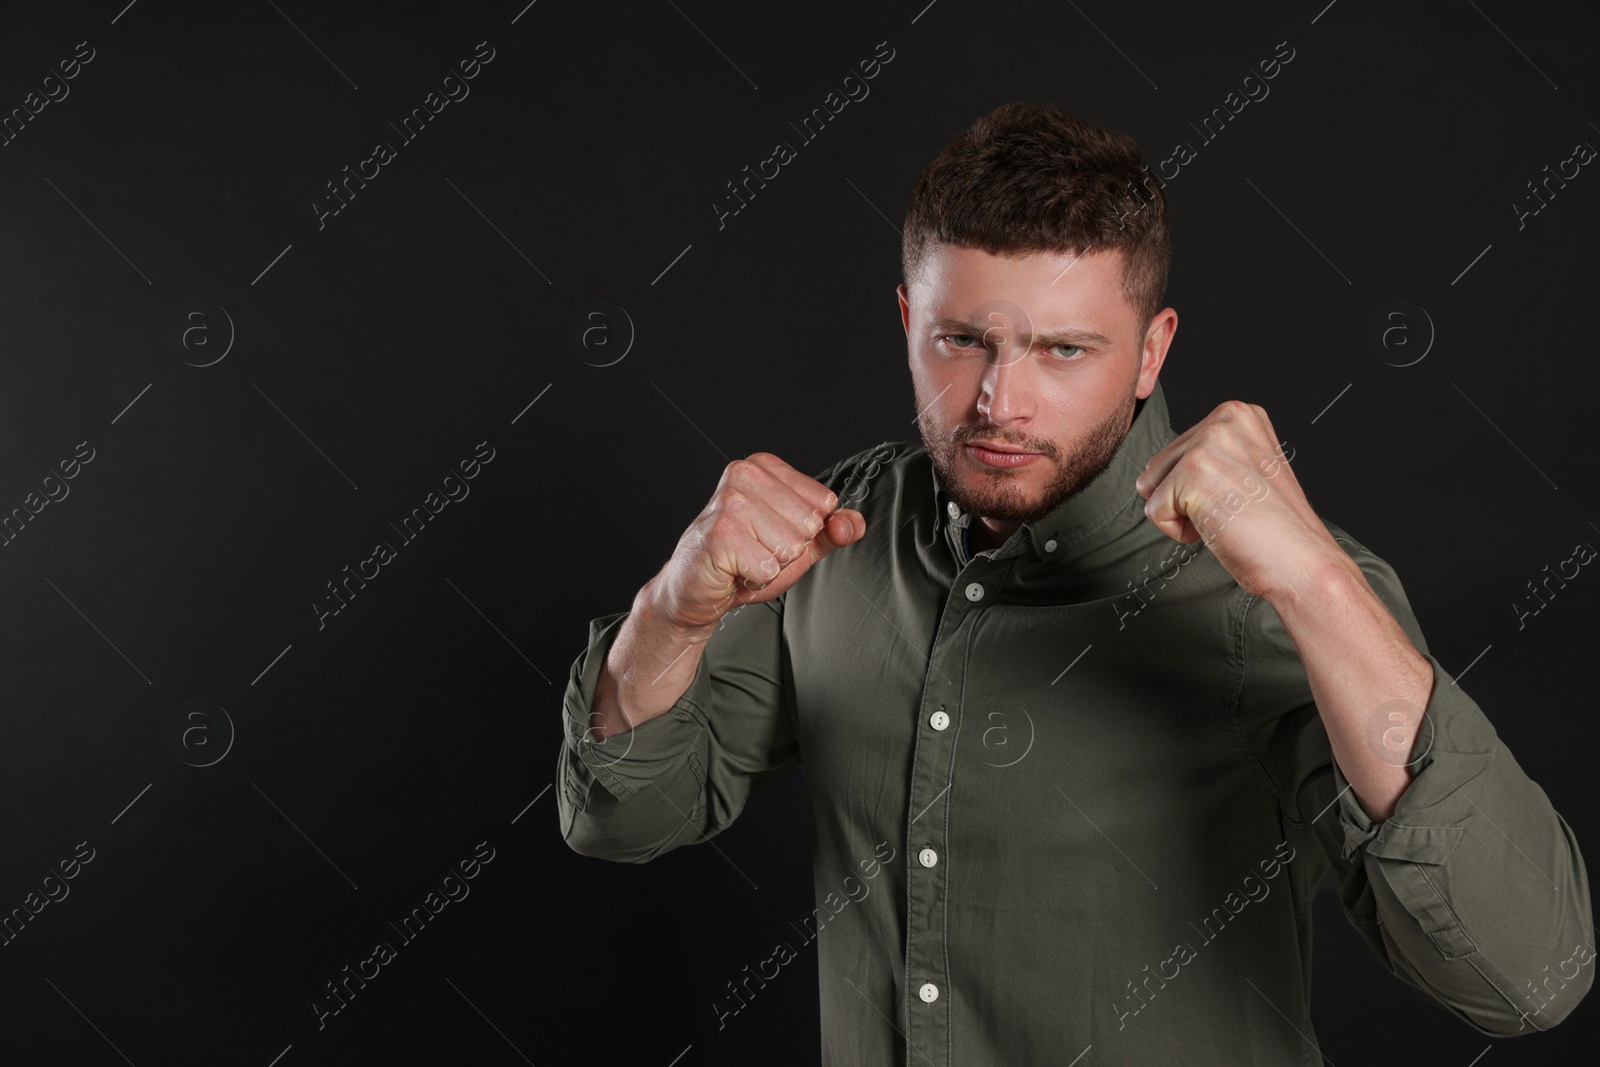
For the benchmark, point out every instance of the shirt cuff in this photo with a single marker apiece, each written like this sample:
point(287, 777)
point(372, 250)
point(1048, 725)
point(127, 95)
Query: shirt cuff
point(1453, 747)
point(625, 763)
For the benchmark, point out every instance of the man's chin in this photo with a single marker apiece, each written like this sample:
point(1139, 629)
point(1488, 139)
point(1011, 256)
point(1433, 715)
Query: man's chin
point(995, 492)
point(983, 500)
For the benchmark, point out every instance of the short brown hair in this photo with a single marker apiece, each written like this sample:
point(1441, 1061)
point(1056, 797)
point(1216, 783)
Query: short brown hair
point(1033, 178)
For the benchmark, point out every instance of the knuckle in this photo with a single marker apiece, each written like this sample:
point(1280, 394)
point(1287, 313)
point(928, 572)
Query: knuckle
point(749, 475)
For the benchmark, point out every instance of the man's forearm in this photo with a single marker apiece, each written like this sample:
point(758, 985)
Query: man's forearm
point(1370, 683)
point(650, 665)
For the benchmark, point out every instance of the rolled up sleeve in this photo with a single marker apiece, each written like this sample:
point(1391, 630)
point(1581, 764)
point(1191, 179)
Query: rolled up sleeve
point(1473, 890)
point(681, 777)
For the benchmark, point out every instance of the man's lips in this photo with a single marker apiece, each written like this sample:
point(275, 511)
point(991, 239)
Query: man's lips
point(999, 457)
point(997, 447)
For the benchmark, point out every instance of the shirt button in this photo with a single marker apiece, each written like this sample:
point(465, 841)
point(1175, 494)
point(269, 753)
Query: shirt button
point(938, 720)
point(929, 992)
point(953, 511)
point(1050, 545)
point(928, 857)
point(975, 591)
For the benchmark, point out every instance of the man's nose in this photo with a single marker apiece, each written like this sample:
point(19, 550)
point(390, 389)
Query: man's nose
point(1007, 380)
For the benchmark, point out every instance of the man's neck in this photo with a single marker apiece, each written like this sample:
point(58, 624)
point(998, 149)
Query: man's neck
point(980, 538)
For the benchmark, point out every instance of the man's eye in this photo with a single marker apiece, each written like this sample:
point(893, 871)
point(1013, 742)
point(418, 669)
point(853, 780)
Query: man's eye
point(965, 341)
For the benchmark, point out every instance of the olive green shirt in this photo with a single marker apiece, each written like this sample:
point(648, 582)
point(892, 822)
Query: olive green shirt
point(1072, 797)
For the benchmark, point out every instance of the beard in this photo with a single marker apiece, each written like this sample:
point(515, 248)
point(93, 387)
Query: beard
point(997, 493)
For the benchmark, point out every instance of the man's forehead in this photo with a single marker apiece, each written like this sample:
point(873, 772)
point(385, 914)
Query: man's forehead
point(964, 271)
point(1055, 291)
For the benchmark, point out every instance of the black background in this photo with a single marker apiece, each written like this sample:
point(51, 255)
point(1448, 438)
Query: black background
point(373, 353)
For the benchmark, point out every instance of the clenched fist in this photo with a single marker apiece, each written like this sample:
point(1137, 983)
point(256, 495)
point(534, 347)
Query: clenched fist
point(765, 526)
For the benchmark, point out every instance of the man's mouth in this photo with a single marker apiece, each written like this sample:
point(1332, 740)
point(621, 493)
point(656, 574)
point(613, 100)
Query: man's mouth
point(999, 455)
point(1000, 446)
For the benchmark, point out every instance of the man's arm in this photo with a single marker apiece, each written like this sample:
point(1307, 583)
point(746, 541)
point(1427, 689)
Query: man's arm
point(1472, 888)
point(681, 700)
point(1369, 682)
point(650, 664)
point(684, 772)
point(1454, 865)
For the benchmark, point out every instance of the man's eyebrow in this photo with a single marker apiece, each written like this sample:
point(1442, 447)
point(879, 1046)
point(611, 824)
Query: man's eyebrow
point(1062, 335)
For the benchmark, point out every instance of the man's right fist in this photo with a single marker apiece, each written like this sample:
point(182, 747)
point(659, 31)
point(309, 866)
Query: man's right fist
point(765, 526)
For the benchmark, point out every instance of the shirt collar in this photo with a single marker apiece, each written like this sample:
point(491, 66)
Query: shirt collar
point(1095, 505)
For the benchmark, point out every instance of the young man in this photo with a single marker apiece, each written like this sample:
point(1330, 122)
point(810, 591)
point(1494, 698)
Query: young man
point(1093, 705)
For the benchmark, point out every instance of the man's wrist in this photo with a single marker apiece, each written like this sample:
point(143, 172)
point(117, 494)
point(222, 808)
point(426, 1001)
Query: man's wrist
point(650, 607)
point(1314, 584)
point(649, 634)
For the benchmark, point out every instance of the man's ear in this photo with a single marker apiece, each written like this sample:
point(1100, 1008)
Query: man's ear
point(905, 308)
point(1157, 339)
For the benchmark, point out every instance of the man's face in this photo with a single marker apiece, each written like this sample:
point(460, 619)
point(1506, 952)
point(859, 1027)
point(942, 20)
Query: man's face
point(1040, 355)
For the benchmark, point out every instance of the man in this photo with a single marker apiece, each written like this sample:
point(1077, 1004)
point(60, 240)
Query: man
point(1085, 708)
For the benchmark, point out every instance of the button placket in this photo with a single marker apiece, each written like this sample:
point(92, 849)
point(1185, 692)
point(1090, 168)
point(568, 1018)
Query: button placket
point(930, 803)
